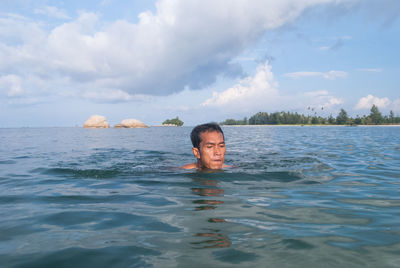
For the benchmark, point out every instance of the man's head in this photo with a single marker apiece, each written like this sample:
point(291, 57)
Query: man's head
point(208, 146)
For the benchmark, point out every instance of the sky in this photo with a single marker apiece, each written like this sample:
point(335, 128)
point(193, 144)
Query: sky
point(201, 60)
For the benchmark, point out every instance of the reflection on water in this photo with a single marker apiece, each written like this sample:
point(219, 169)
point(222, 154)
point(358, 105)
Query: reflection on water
point(214, 240)
point(214, 237)
point(207, 204)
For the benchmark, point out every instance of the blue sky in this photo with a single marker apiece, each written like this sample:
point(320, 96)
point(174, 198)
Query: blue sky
point(63, 61)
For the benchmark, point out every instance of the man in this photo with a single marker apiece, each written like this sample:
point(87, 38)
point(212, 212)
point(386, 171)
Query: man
point(208, 147)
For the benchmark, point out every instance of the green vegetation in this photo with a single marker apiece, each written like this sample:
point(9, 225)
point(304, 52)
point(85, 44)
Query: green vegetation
point(235, 122)
point(287, 118)
point(174, 121)
point(342, 118)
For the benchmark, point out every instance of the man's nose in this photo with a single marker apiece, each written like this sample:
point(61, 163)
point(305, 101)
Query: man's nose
point(217, 151)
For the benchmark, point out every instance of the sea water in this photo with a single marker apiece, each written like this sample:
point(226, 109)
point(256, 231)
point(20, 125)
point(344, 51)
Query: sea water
point(296, 197)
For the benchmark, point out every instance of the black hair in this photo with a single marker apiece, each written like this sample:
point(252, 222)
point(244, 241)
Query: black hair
point(196, 132)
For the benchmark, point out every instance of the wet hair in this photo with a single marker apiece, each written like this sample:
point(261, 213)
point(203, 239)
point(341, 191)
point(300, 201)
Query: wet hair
point(196, 132)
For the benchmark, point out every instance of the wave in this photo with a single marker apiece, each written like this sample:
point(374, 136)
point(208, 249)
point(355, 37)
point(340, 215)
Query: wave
point(158, 167)
point(106, 256)
point(78, 173)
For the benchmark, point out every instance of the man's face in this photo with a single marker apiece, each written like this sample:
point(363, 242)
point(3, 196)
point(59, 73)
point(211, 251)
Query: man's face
point(211, 153)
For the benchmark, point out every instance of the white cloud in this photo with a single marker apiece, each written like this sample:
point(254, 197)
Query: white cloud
point(17, 34)
point(11, 85)
point(396, 106)
point(320, 99)
point(52, 12)
point(370, 70)
point(184, 44)
point(338, 44)
point(106, 2)
point(368, 101)
point(331, 75)
point(261, 92)
point(108, 95)
point(314, 94)
point(249, 91)
point(324, 48)
point(332, 102)
point(242, 59)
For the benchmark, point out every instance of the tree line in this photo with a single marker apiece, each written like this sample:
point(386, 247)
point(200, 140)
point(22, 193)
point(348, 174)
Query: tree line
point(262, 118)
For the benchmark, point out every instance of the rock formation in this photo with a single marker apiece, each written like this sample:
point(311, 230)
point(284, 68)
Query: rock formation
point(131, 123)
point(96, 121)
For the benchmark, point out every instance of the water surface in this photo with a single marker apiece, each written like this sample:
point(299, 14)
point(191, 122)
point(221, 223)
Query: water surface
point(297, 197)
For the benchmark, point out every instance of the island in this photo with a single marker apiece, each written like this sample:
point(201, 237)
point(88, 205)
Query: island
point(131, 123)
point(175, 122)
point(312, 118)
point(96, 121)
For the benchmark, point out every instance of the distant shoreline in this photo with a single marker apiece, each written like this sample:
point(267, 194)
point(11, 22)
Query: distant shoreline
point(266, 125)
point(309, 125)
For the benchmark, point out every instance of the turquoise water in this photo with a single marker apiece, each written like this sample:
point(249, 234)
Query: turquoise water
point(297, 197)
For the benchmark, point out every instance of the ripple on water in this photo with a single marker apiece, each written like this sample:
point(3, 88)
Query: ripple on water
point(7, 162)
point(78, 173)
point(97, 257)
point(375, 202)
point(104, 220)
point(107, 198)
point(234, 256)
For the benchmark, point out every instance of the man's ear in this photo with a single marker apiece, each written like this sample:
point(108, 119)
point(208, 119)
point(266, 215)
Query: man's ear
point(196, 152)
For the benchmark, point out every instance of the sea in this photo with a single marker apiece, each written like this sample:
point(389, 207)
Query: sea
point(295, 196)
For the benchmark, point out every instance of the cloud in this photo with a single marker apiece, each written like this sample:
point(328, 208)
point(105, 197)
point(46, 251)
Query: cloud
point(321, 99)
point(261, 92)
point(331, 75)
point(11, 86)
point(370, 70)
point(249, 91)
point(324, 48)
point(339, 43)
point(396, 105)
point(52, 12)
point(242, 59)
point(183, 44)
point(368, 101)
point(107, 95)
point(106, 2)
point(386, 10)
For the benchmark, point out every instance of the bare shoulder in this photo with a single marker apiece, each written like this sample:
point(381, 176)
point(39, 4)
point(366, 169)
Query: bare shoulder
point(189, 166)
point(194, 166)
